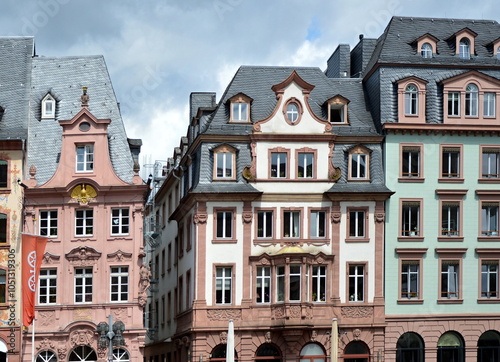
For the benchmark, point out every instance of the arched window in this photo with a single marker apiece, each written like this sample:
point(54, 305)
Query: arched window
point(488, 347)
point(46, 356)
point(267, 352)
point(356, 352)
point(82, 354)
point(426, 50)
point(451, 348)
point(464, 50)
point(312, 352)
point(120, 355)
point(411, 99)
point(471, 100)
point(219, 354)
point(410, 347)
point(48, 107)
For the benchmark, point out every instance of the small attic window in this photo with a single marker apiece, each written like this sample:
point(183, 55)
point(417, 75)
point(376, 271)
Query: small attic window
point(48, 107)
point(337, 110)
point(240, 108)
point(464, 48)
point(426, 50)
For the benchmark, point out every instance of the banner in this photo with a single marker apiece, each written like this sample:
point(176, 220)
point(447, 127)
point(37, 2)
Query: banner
point(33, 249)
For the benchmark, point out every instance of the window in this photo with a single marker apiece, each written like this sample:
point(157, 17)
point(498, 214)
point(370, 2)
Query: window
point(280, 283)
point(305, 165)
point(83, 285)
point(471, 100)
point(410, 279)
point(312, 352)
point(224, 162)
point(488, 347)
point(263, 292)
point(410, 218)
point(411, 100)
point(464, 48)
point(4, 166)
point(119, 284)
point(450, 348)
point(120, 221)
point(356, 283)
point(489, 279)
point(120, 355)
point(47, 286)
point(82, 354)
point(292, 112)
point(223, 285)
point(279, 164)
point(410, 347)
point(411, 161)
point(450, 279)
point(291, 224)
point(454, 104)
point(356, 223)
point(46, 356)
point(267, 352)
point(489, 104)
point(3, 228)
point(426, 50)
point(48, 223)
point(265, 224)
point(224, 224)
point(450, 162)
point(490, 163)
point(317, 224)
point(489, 219)
point(318, 291)
point(295, 283)
point(239, 112)
point(358, 166)
point(85, 158)
point(450, 218)
point(337, 109)
point(84, 222)
point(48, 107)
point(3, 286)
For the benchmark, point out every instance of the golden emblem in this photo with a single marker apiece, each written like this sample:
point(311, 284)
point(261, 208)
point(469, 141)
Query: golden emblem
point(83, 193)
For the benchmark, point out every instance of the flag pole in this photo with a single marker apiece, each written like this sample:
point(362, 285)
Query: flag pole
point(33, 341)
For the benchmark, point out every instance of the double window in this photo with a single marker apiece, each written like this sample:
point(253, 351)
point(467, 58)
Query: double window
point(223, 285)
point(357, 224)
point(47, 286)
point(48, 223)
point(489, 279)
point(411, 100)
point(224, 163)
point(451, 162)
point(450, 283)
point(240, 109)
point(318, 276)
point(426, 50)
point(410, 279)
point(263, 284)
point(454, 104)
point(317, 224)
point(450, 218)
point(305, 165)
point(489, 219)
point(490, 163)
point(292, 279)
point(411, 161)
point(464, 48)
point(411, 218)
point(120, 221)
point(48, 107)
point(84, 222)
point(119, 284)
point(265, 221)
point(356, 283)
point(224, 224)
point(83, 285)
point(84, 158)
point(471, 100)
point(279, 164)
point(359, 163)
point(291, 224)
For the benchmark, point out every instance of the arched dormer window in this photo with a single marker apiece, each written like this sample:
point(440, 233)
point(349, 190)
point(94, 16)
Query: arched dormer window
point(359, 163)
point(337, 110)
point(464, 48)
point(240, 108)
point(224, 163)
point(48, 107)
point(426, 50)
point(411, 99)
point(471, 100)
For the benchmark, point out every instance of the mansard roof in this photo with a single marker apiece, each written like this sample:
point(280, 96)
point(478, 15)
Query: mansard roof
point(15, 77)
point(261, 83)
point(397, 45)
point(65, 77)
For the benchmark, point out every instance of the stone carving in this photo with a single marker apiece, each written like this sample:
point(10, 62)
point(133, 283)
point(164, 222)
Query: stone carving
point(314, 335)
point(46, 317)
point(81, 337)
point(279, 312)
point(45, 344)
point(356, 333)
point(223, 314)
point(83, 255)
point(247, 217)
point(357, 312)
point(49, 258)
point(84, 97)
point(295, 311)
point(102, 353)
point(200, 218)
point(119, 256)
point(223, 337)
point(144, 283)
point(83, 194)
point(267, 337)
point(336, 217)
point(119, 314)
point(61, 353)
point(379, 217)
point(82, 314)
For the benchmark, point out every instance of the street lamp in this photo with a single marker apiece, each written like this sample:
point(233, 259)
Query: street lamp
point(110, 335)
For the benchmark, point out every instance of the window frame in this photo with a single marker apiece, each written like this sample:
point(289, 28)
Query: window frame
point(85, 220)
point(411, 255)
point(121, 225)
point(471, 103)
point(224, 277)
point(85, 277)
point(419, 96)
point(454, 99)
point(232, 225)
point(490, 234)
point(120, 275)
point(489, 149)
point(455, 257)
point(5, 184)
point(424, 50)
point(227, 152)
point(264, 226)
point(262, 278)
point(464, 48)
point(4, 293)
point(488, 255)
point(359, 150)
point(449, 149)
point(338, 104)
point(364, 276)
point(88, 166)
point(292, 232)
point(300, 111)
point(357, 209)
point(324, 210)
point(48, 219)
point(50, 289)
point(409, 175)
point(4, 227)
point(286, 152)
point(445, 232)
point(48, 99)
point(306, 151)
point(321, 283)
point(411, 100)
point(489, 104)
point(419, 232)
point(238, 100)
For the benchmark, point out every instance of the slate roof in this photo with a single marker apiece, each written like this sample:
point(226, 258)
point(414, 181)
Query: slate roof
point(64, 78)
point(15, 68)
point(256, 83)
point(397, 43)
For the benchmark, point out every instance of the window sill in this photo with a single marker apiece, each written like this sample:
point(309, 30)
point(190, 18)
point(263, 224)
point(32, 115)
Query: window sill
point(488, 238)
point(357, 240)
point(450, 238)
point(411, 301)
point(410, 238)
point(488, 180)
point(450, 301)
point(451, 180)
point(411, 179)
point(488, 301)
point(224, 241)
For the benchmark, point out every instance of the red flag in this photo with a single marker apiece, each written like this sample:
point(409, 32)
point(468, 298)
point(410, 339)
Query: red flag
point(33, 250)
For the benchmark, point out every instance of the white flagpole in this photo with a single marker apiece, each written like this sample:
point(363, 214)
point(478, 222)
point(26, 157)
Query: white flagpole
point(230, 342)
point(33, 341)
point(334, 341)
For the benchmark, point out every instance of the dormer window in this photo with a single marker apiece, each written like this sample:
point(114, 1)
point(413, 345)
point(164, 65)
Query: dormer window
point(471, 100)
point(240, 109)
point(337, 109)
point(224, 163)
point(426, 50)
point(85, 158)
point(292, 111)
point(48, 107)
point(411, 99)
point(359, 163)
point(464, 48)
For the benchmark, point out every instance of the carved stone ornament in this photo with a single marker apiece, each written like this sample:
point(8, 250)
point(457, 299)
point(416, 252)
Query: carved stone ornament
point(267, 337)
point(83, 194)
point(356, 333)
point(356, 312)
point(61, 353)
point(45, 344)
point(223, 337)
point(200, 218)
point(314, 335)
point(46, 317)
point(32, 171)
point(336, 217)
point(83, 255)
point(186, 341)
point(102, 352)
point(223, 314)
point(119, 256)
point(49, 258)
point(247, 217)
point(81, 337)
point(379, 217)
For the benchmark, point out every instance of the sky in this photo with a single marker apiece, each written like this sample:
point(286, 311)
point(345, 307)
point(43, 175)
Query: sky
point(160, 51)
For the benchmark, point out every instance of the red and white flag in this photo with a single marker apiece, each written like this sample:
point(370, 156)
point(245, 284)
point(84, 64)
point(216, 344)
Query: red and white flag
point(33, 250)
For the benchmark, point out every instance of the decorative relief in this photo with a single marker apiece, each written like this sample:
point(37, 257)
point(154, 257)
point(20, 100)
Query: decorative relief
point(83, 255)
point(356, 333)
point(102, 353)
point(357, 312)
point(46, 317)
point(200, 218)
point(61, 353)
point(314, 335)
point(247, 217)
point(83, 194)
point(223, 314)
point(379, 217)
point(279, 312)
point(336, 217)
point(119, 314)
point(267, 337)
point(49, 258)
point(45, 344)
point(81, 337)
point(295, 311)
point(144, 282)
point(82, 315)
point(223, 337)
point(119, 256)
